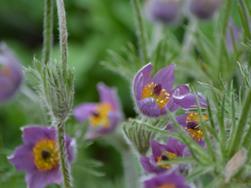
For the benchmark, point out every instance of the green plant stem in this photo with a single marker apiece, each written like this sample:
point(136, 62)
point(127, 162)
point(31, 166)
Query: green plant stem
point(63, 35)
point(47, 30)
point(237, 133)
point(141, 34)
point(64, 164)
point(189, 37)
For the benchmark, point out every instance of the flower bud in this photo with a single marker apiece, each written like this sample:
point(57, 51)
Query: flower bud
point(163, 11)
point(204, 9)
point(10, 73)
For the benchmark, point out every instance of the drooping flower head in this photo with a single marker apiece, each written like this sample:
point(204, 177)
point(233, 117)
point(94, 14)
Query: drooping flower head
point(162, 153)
point(166, 180)
point(191, 122)
point(38, 157)
point(204, 9)
point(163, 11)
point(104, 116)
point(10, 73)
point(155, 95)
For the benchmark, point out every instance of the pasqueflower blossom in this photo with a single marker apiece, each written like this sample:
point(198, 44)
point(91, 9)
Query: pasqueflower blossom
point(155, 95)
point(163, 11)
point(191, 122)
point(104, 116)
point(162, 153)
point(38, 157)
point(204, 9)
point(10, 74)
point(166, 180)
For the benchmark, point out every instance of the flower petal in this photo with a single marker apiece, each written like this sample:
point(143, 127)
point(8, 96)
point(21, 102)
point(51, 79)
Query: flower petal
point(34, 133)
point(143, 76)
point(165, 77)
point(149, 166)
point(108, 95)
point(22, 159)
point(175, 146)
point(149, 108)
point(83, 112)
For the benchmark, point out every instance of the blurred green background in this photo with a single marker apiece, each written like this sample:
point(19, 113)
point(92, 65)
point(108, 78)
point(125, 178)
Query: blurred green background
point(94, 26)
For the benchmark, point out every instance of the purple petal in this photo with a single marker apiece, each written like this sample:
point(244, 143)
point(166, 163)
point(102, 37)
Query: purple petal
point(149, 108)
point(34, 133)
point(165, 77)
point(181, 119)
point(108, 95)
point(143, 76)
point(83, 112)
point(187, 100)
point(43, 179)
point(149, 166)
point(175, 146)
point(165, 179)
point(157, 148)
point(22, 159)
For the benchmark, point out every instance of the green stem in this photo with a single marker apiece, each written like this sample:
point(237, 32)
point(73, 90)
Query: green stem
point(64, 164)
point(63, 35)
point(238, 131)
point(141, 34)
point(48, 30)
point(189, 37)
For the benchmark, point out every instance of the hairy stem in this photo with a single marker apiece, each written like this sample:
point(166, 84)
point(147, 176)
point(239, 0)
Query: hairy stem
point(63, 35)
point(48, 30)
point(141, 34)
point(64, 164)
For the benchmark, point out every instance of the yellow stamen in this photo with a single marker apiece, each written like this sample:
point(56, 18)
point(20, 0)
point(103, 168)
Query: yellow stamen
point(155, 91)
point(45, 155)
point(193, 120)
point(165, 156)
point(100, 116)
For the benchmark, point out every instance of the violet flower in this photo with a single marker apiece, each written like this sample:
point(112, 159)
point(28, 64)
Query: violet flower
point(204, 9)
point(155, 95)
point(191, 122)
point(163, 11)
point(162, 153)
point(38, 157)
point(104, 116)
point(10, 74)
point(166, 180)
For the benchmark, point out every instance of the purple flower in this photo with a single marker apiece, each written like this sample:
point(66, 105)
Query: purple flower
point(162, 153)
point(39, 157)
point(10, 74)
point(166, 180)
point(164, 11)
point(155, 95)
point(103, 116)
point(204, 9)
point(191, 122)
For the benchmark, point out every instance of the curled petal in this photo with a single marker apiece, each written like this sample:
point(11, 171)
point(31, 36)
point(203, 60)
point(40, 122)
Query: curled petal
point(149, 108)
point(175, 146)
point(143, 76)
point(83, 112)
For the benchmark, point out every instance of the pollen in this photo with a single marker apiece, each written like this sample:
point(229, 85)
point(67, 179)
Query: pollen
point(100, 117)
point(192, 125)
point(45, 155)
point(165, 156)
point(160, 95)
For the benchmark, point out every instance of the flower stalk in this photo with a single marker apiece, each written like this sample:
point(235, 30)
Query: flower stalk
point(141, 34)
point(48, 30)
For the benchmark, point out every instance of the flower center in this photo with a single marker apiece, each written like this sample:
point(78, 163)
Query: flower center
point(45, 155)
point(168, 185)
point(100, 117)
point(160, 95)
point(165, 156)
point(193, 120)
